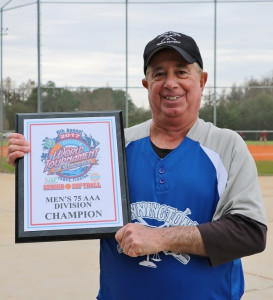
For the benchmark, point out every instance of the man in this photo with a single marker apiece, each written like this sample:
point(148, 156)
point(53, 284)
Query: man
point(263, 136)
point(195, 199)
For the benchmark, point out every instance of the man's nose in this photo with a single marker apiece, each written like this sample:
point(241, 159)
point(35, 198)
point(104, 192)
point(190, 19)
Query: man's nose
point(171, 81)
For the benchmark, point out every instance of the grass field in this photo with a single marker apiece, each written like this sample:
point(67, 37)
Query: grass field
point(269, 143)
point(5, 167)
point(264, 167)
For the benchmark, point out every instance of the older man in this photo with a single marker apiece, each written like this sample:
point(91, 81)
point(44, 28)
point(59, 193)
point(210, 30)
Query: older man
point(195, 199)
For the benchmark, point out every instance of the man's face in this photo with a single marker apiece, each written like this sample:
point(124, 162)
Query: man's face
point(174, 87)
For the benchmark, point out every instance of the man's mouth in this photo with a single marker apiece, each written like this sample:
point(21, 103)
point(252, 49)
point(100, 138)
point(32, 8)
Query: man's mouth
point(172, 98)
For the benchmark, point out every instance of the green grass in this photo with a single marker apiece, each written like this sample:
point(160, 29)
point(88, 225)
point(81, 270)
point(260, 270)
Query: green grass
point(5, 167)
point(265, 167)
point(258, 143)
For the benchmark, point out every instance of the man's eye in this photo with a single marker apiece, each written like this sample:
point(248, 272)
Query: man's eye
point(158, 74)
point(182, 73)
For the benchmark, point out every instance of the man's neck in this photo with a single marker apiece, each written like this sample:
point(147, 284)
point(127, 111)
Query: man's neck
point(168, 137)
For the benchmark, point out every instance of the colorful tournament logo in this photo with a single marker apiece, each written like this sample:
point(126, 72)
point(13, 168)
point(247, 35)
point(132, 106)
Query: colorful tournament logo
point(70, 155)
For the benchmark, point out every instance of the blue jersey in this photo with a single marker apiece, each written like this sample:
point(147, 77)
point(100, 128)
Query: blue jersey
point(185, 188)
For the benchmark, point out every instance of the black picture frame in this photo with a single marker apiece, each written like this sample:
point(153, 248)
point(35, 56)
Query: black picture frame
point(53, 233)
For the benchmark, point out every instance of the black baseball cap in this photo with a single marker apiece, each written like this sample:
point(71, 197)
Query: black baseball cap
point(183, 44)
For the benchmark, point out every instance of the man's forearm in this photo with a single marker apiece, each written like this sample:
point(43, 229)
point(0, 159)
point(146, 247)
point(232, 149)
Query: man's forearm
point(137, 240)
point(183, 239)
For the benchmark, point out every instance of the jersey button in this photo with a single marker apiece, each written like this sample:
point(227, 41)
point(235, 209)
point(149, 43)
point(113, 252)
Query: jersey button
point(162, 180)
point(161, 170)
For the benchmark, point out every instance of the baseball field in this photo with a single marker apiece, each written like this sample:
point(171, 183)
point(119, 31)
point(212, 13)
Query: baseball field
point(263, 156)
point(261, 151)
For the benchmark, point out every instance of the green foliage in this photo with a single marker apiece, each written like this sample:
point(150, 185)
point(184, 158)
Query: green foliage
point(243, 108)
point(65, 100)
point(109, 99)
point(58, 99)
point(139, 115)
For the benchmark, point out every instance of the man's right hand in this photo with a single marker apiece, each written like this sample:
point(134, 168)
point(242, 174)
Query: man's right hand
point(17, 147)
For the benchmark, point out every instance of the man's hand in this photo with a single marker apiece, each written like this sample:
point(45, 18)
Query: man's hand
point(17, 147)
point(137, 240)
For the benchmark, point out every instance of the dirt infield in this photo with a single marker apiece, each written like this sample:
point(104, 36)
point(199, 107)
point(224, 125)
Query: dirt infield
point(261, 152)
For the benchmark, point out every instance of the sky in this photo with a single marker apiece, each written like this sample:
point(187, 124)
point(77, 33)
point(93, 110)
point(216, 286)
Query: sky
point(83, 43)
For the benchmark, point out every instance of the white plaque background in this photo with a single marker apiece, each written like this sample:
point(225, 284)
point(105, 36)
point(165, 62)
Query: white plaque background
point(40, 203)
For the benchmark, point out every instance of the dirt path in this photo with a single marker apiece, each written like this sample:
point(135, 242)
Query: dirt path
point(261, 152)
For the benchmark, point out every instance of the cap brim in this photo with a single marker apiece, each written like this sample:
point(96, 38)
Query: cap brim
point(188, 58)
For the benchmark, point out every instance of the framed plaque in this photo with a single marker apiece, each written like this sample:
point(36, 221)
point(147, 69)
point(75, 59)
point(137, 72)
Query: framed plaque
point(73, 183)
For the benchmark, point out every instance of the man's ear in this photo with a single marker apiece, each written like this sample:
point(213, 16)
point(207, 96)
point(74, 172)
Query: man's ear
point(203, 80)
point(145, 83)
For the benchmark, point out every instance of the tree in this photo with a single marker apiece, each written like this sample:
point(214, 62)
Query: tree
point(58, 99)
point(247, 107)
point(14, 100)
point(109, 99)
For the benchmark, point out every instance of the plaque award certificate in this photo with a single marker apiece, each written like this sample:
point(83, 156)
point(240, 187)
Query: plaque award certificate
point(73, 182)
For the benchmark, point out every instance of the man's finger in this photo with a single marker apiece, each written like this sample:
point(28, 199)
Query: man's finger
point(13, 156)
point(119, 235)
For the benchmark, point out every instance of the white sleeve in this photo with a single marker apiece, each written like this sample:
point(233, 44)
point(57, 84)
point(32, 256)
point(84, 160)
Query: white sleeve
point(239, 189)
point(242, 194)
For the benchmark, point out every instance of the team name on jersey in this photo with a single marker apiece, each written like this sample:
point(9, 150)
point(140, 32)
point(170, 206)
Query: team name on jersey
point(170, 216)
